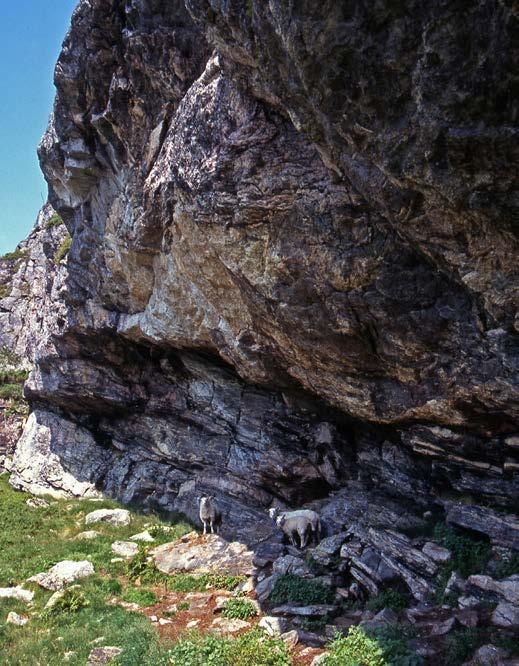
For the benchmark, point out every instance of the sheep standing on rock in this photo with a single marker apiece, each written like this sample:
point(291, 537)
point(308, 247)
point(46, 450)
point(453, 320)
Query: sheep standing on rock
point(298, 522)
point(209, 514)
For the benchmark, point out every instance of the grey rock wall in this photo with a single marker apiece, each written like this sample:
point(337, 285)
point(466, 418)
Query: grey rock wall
point(293, 260)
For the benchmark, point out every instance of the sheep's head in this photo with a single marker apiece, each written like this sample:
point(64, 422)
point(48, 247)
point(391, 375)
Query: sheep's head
point(273, 512)
point(280, 520)
point(206, 501)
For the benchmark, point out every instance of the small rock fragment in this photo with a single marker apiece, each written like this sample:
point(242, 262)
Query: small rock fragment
point(142, 536)
point(103, 655)
point(63, 573)
point(118, 517)
point(436, 552)
point(19, 620)
point(87, 535)
point(37, 503)
point(223, 625)
point(290, 638)
point(16, 593)
point(126, 549)
point(274, 626)
point(506, 615)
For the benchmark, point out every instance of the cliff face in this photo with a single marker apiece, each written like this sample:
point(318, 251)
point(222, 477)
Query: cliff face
point(293, 257)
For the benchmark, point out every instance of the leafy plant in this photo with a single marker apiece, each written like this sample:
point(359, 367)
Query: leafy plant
point(250, 649)
point(8, 357)
point(183, 606)
point(11, 391)
point(461, 644)
point(142, 567)
point(292, 588)
point(469, 555)
point(393, 642)
point(71, 601)
point(13, 376)
point(355, 649)
point(54, 221)
point(190, 583)
point(239, 608)
point(63, 249)
point(15, 255)
point(508, 566)
point(387, 599)
point(138, 595)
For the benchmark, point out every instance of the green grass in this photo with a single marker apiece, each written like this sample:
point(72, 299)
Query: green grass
point(189, 583)
point(291, 588)
point(63, 249)
point(383, 647)
point(8, 357)
point(460, 645)
point(250, 649)
point(507, 567)
point(15, 255)
point(39, 538)
point(139, 595)
point(11, 391)
point(238, 608)
point(469, 555)
point(387, 599)
point(71, 602)
point(13, 376)
point(54, 221)
point(355, 649)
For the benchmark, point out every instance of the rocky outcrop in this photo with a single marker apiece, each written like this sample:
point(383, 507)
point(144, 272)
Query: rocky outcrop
point(292, 266)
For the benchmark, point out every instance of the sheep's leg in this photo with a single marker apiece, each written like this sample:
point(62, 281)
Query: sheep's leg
point(302, 537)
point(293, 539)
point(205, 527)
point(212, 527)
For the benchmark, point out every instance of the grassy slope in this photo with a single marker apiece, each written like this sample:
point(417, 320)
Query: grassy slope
point(32, 540)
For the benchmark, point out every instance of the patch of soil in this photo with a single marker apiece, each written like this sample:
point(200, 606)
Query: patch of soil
point(201, 610)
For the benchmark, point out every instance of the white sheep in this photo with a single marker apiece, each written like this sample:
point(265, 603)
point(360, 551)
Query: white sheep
point(209, 514)
point(297, 521)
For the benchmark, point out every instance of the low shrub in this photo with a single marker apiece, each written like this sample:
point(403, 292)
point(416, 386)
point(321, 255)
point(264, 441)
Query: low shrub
point(139, 595)
point(13, 376)
point(71, 601)
point(183, 606)
point(469, 555)
point(387, 599)
point(11, 391)
point(292, 588)
point(143, 568)
point(63, 249)
point(5, 290)
point(8, 357)
point(460, 645)
point(191, 583)
point(355, 649)
point(393, 642)
point(238, 608)
point(250, 649)
point(15, 255)
point(508, 566)
point(54, 221)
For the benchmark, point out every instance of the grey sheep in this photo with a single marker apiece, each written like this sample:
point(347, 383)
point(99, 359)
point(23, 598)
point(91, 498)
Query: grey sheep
point(297, 522)
point(209, 514)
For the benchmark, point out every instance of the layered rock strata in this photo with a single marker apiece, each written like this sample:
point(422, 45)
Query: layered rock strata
point(293, 260)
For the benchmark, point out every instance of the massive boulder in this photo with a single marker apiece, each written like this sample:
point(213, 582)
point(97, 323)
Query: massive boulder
point(293, 255)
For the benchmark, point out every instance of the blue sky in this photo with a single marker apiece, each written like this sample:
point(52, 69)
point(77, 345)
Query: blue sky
point(31, 35)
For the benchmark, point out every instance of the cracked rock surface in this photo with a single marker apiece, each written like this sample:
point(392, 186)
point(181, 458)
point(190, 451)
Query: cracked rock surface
point(293, 266)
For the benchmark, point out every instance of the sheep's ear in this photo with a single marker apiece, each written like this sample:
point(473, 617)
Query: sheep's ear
point(211, 497)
